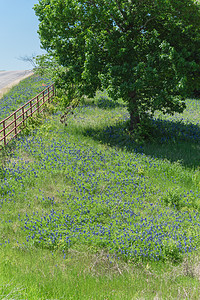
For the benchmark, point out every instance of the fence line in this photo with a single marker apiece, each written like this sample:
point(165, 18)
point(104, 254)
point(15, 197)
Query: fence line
point(11, 126)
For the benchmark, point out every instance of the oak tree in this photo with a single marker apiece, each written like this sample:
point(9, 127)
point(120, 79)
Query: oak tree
point(144, 51)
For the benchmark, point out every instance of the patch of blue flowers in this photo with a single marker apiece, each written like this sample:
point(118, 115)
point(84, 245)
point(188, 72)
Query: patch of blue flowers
point(127, 233)
point(109, 203)
point(109, 199)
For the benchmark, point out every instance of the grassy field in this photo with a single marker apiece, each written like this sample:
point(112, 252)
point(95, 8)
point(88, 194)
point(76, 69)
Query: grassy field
point(87, 213)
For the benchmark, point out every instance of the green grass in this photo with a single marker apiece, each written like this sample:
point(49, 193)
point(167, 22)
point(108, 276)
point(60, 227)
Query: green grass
point(87, 213)
point(37, 274)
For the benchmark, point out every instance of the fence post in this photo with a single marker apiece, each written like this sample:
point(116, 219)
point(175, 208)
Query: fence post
point(4, 132)
point(43, 96)
point(23, 115)
point(31, 108)
point(48, 93)
point(15, 123)
point(38, 106)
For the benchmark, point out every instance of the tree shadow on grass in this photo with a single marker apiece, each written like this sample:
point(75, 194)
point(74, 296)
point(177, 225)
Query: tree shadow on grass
point(173, 141)
point(104, 102)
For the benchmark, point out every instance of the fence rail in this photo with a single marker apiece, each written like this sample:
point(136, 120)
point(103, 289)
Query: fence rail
point(11, 126)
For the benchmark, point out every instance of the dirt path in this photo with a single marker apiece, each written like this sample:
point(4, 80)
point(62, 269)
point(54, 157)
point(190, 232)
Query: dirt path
point(10, 78)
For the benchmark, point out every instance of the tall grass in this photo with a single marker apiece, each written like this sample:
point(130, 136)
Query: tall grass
point(87, 213)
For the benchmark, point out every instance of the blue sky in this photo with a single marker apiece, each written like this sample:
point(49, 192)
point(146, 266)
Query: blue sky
point(18, 34)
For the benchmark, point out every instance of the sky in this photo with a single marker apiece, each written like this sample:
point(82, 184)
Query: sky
point(18, 34)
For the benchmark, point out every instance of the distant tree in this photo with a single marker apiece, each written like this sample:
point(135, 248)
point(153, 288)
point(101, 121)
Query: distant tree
point(144, 51)
point(28, 59)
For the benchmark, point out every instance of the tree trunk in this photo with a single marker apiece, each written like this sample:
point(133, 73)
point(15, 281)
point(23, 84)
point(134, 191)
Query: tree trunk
point(134, 113)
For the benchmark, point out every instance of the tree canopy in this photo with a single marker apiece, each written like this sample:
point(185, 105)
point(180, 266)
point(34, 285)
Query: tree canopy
point(144, 51)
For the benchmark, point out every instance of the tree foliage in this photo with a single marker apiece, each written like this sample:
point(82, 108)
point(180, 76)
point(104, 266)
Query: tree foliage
point(144, 51)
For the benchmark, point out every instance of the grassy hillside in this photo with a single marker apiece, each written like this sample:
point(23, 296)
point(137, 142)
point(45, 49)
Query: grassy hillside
point(87, 213)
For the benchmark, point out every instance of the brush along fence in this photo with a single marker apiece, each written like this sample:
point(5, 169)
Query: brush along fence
point(11, 126)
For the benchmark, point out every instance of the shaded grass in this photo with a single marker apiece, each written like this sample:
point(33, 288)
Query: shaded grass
point(187, 151)
point(173, 138)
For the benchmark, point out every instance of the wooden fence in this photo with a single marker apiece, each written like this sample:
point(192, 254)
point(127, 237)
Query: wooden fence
point(11, 126)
